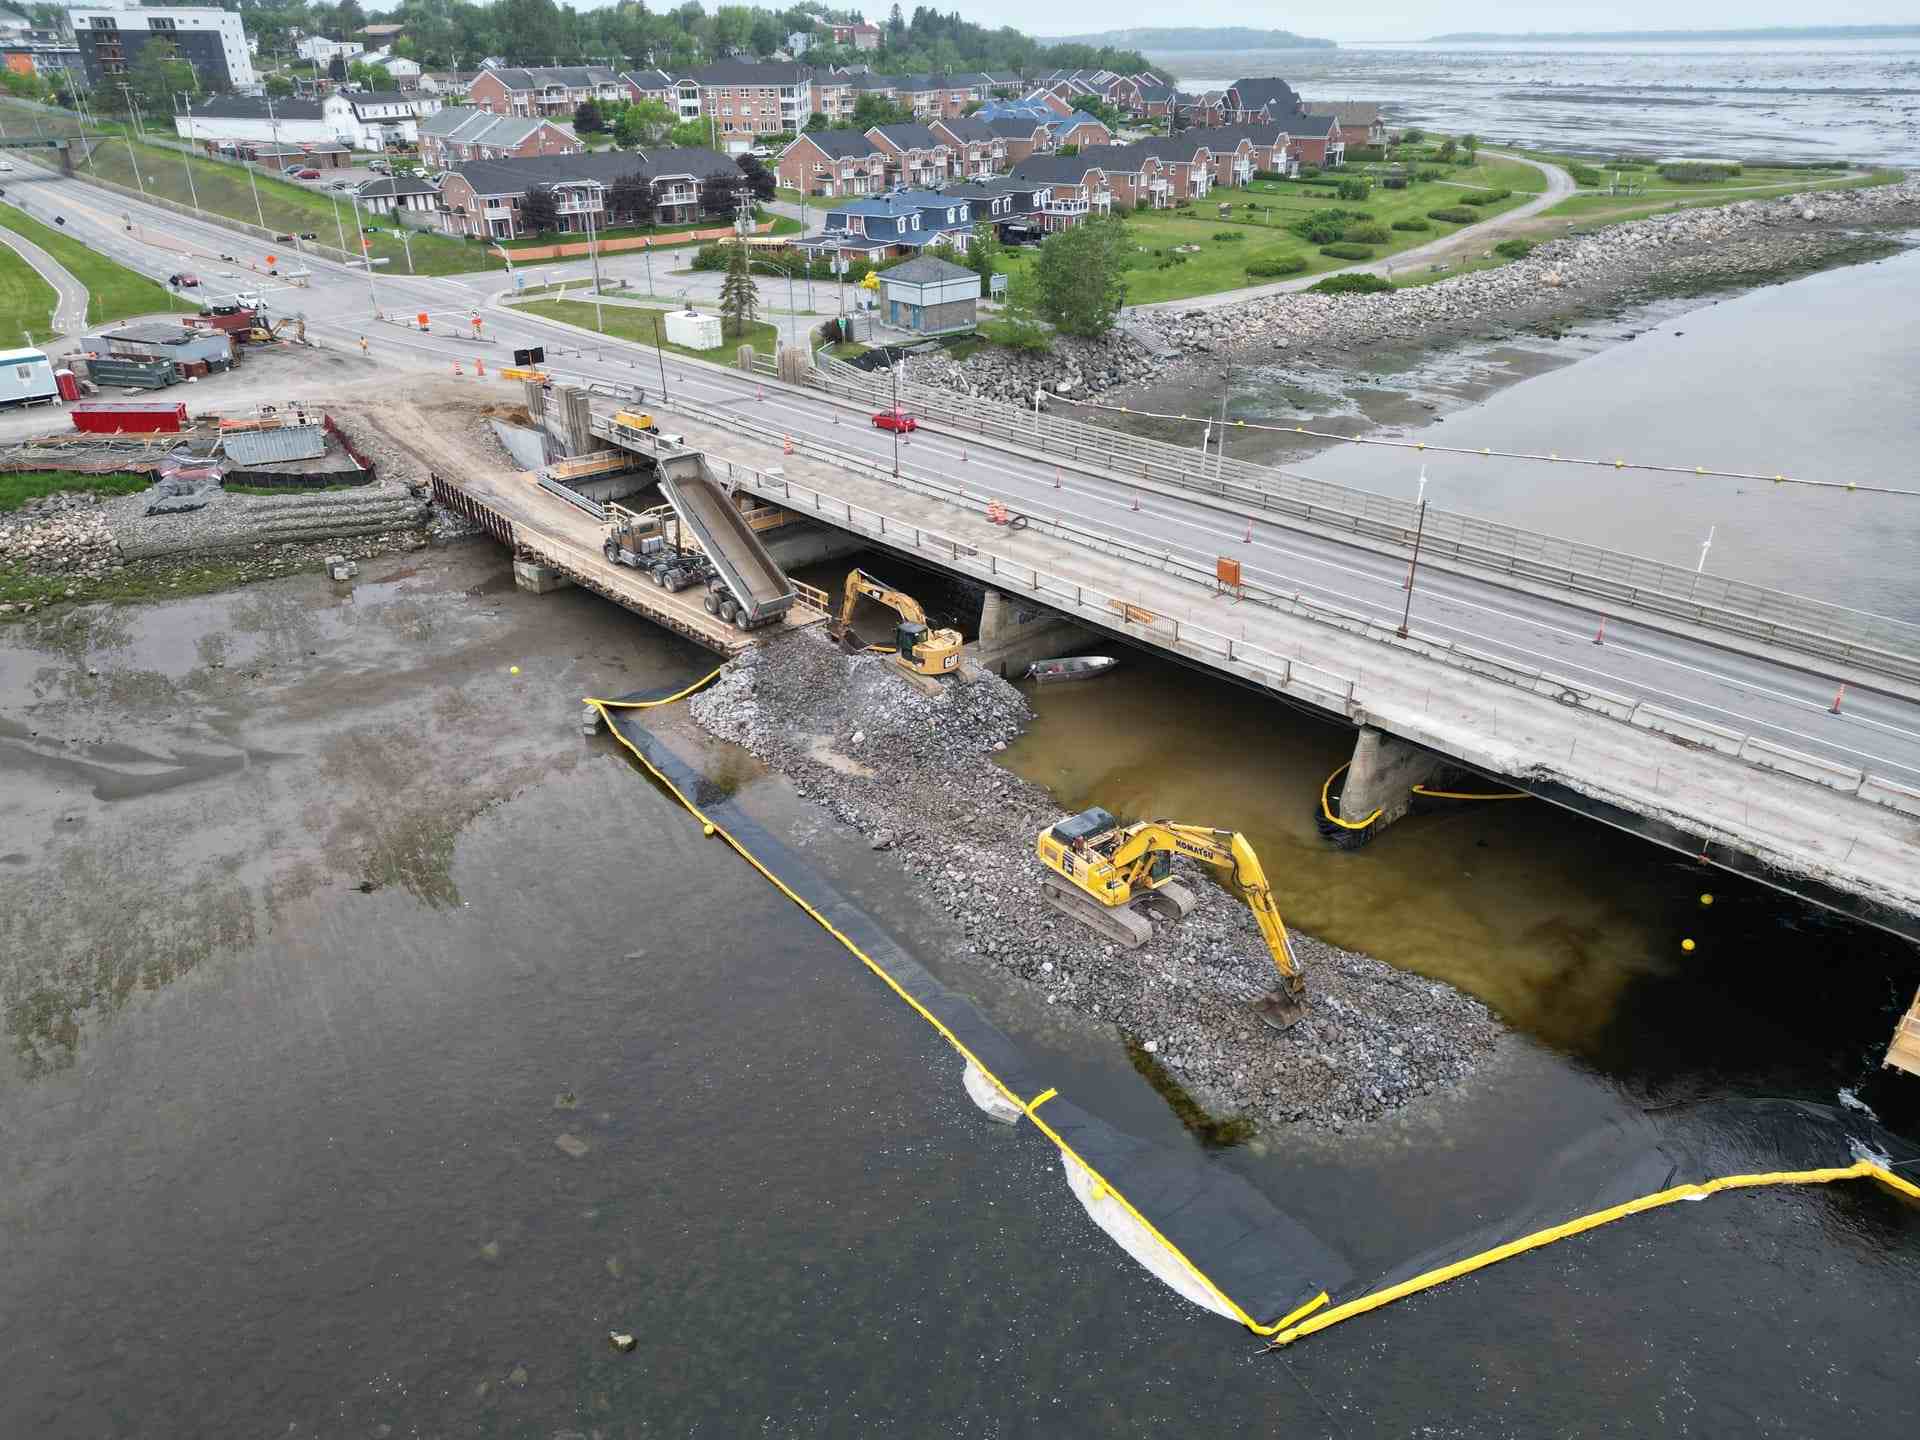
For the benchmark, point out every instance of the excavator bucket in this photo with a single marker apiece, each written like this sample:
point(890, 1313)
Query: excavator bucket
point(1283, 1007)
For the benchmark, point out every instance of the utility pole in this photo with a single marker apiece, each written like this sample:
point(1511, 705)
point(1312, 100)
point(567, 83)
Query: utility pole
point(647, 249)
point(254, 185)
point(340, 230)
point(1705, 546)
point(893, 366)
point(1226, 379)
point(593, 255)
point(1413, 564)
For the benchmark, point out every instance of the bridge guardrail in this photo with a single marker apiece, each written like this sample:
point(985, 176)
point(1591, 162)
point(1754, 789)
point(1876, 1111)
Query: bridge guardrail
point(1141, 619)
point(1717, 602)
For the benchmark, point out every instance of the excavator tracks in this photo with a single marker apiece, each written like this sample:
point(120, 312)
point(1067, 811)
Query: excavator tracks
point(1121, 924)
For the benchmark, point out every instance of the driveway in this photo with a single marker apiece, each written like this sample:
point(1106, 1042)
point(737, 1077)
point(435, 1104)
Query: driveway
point(1559, 186)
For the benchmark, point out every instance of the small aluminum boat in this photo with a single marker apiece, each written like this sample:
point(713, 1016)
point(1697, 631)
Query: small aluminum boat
point(1070, 667)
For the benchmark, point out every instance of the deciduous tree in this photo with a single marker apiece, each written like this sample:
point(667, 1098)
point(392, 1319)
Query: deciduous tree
point(1081, 277)
point(538, 213)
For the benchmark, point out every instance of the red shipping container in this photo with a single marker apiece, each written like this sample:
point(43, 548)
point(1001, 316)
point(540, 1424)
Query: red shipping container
point(130, 417)
point(69, 385)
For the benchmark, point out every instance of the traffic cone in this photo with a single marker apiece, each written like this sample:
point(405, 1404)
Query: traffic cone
point(1056, 477)
point(456, 368)
point(1600, 635)
point(1247, 539)
point(759, 392)
point(1136, 500)
point(786, 444)
point(1834, 709)
point(479, 367)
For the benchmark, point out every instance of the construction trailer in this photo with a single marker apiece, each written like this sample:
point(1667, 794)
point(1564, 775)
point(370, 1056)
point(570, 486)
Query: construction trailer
point(26, 378)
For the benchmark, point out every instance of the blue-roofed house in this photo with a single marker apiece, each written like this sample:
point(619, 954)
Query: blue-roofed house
point(901, 222)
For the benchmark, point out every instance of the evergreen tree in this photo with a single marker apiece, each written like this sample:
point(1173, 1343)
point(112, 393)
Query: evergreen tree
point(739, 297)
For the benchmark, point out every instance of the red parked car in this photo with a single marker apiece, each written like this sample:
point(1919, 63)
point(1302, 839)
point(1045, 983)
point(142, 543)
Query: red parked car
point(309, 174)
point(895, 420)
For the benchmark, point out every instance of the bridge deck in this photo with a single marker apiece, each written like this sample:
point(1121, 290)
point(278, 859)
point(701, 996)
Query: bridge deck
point(1626, 764)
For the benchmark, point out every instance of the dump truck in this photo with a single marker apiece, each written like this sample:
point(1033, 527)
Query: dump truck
point(653, 541)
point(746, 588)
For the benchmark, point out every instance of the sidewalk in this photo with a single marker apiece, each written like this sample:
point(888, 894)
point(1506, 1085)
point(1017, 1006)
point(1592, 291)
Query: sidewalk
point(70, 315)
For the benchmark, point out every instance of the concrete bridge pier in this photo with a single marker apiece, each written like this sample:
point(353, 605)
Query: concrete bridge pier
point(1014, 634)
point(1382, 775)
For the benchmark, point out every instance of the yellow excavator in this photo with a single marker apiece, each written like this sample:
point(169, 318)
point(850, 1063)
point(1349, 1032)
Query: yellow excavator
point(1112, 878)
point(916, 648)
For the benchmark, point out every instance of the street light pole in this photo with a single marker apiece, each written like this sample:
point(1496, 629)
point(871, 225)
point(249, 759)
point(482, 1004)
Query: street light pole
point(366, 257)
point(893, 368)
point(186, 161)
point(593, 255)
point(1226, 380)
point(1412, 564)
point(133, 157)
point(660, 353)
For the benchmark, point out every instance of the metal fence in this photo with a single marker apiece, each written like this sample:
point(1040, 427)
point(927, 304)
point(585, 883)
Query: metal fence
point(1874, 641)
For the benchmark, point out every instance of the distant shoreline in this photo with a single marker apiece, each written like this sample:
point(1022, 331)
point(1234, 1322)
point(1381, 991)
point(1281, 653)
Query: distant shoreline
point(1780, 32)
point(1199, 39)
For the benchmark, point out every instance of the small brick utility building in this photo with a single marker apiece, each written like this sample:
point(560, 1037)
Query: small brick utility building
point(930, 296)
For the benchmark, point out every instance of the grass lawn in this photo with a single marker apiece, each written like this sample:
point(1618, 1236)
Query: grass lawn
point(113, 291)
point(1758, 183)
point(792, 197)
point(635, 322)
point(288, 206)
point(1220, 264)
point(26, 304)
point(19, 486)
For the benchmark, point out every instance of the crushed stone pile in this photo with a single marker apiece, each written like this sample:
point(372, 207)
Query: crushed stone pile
point(915, 773)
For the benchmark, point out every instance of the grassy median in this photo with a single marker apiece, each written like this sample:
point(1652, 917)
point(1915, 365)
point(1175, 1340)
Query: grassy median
point(636, 323)
point(27, 303)
point(113, 291)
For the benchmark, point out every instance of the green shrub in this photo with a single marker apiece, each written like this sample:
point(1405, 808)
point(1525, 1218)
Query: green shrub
point(1626, 162)
point(1412, 135)
point(1584, 174)
point(1307, 172)
point(1354, 189)
point(1333, 218)
point(1485, 197)
point(1429, 174)
point(1394, 182)
point(1265, 267)
point(1514, 249)
point(1361, 154)
point(1344, 251)
point(1453, 214)
point(1370, 232)
point(1268, 175)
point(1228, 236)
point(1350, 285)
point(1693, 172)
point(1325, 182)
point(1416, 223)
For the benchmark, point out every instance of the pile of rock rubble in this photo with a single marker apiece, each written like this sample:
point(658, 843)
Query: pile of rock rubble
point(915, 774)
point(61, 536)
point(1071, 367)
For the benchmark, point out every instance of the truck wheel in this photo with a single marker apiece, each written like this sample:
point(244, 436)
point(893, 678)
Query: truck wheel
point(660, 577)
point(713, 583)
point(740, 620)
point(728, 609)
point(712, 603)
point(613, 553)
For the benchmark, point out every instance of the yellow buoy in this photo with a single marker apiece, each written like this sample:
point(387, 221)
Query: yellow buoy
point(707, 830)
point(1686, 945)
point(513, 670)
point(1706, 899)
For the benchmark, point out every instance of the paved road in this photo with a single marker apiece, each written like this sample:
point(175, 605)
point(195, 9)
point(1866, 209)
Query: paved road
point(70, 314)
point(1781, 703)
point(1559, 186)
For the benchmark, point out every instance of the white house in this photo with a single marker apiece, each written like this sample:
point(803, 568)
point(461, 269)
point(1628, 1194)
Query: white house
point(375, 119)
point(321, 50)
point(242, 119)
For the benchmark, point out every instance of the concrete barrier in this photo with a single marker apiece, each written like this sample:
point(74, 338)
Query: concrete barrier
point(1796, 762)
point(1698, 732)
point(1895, 797)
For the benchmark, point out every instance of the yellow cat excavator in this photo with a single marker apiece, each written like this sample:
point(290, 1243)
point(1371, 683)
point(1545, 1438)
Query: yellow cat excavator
point(916, 648)
point(1113, 877)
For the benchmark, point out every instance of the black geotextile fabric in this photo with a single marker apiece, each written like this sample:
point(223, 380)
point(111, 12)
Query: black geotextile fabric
point(1262, 1259)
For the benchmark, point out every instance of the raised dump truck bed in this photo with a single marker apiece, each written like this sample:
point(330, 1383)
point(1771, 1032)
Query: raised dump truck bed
point(760, 589)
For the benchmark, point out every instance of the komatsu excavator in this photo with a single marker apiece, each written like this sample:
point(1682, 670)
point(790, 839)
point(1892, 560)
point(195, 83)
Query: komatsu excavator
point(1113, 877)
point(916, 648)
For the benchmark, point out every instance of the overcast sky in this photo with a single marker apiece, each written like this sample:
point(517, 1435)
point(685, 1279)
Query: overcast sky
point(1397, 20)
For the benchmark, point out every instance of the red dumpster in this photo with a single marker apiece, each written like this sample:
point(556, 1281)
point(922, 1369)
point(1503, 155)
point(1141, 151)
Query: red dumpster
point(69, 385)
point(130, 417)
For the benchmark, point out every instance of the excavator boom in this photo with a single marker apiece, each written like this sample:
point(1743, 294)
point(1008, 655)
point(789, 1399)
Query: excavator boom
point(917, 648)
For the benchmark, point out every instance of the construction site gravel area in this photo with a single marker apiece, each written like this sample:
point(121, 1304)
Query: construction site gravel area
point(915, 774)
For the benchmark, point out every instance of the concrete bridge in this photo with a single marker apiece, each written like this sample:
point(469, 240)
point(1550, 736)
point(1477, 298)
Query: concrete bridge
point(1701, 723)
